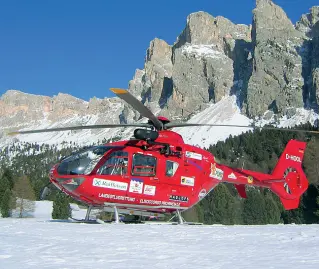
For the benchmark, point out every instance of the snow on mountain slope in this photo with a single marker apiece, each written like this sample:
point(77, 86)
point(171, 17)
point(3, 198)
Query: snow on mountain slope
point(224, 112)
point(35, 243)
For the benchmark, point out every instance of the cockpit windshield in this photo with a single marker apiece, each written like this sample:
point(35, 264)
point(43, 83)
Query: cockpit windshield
point(82, 162)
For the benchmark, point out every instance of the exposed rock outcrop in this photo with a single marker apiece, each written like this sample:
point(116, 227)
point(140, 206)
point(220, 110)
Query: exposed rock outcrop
point(315, 60)
point(307, 23)
point(276, 83)
point(18, 109)
point(153, 84)
point(309, 27)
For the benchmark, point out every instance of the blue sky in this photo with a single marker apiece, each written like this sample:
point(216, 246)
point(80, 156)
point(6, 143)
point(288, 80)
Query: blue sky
point(85, 47)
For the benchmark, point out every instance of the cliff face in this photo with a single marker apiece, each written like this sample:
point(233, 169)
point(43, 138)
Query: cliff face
point(198, 69)
point(276, 82)
point(270, 66)
point(19, 110)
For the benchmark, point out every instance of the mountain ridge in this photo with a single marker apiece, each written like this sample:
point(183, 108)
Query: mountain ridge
point(270, 68)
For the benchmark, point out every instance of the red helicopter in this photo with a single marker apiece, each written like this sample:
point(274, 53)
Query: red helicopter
point(155, 172)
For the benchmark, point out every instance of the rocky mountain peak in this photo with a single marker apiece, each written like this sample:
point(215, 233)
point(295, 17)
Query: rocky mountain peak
point(276, 82)
point(270, 22)
point(307, 23)
point(159, 51)
point(269, 67)
point(203, 29)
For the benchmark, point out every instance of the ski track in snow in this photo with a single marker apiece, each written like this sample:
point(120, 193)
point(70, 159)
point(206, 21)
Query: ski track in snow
point(36, 243)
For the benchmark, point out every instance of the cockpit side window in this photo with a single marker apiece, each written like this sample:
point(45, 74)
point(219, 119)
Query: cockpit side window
point(82, 162)
point(143, 165)
point(116, 164)
point(171, 168)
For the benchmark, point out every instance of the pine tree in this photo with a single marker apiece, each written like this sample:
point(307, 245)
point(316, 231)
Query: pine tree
point(8, 176)
point(61, 207)
point(6, 182)
point(221, 206)
point(311, 162)
point(310, 206)
point(272, 210)
point(254, 208)
point(24, 194)
point(5, 204)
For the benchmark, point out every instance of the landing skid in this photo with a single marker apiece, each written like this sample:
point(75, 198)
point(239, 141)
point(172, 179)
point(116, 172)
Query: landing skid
point(87, 220)
point(181, 220)
point(97, 221)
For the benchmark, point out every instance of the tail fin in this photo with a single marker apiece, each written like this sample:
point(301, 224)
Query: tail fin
point(294, 182)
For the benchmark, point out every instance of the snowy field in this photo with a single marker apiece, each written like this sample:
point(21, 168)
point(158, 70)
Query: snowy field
point(43, 243)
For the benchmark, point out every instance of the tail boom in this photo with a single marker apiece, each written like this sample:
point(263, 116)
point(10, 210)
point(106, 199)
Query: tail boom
point(287, 180)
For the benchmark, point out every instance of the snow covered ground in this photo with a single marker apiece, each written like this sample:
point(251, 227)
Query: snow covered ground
point(34, 243)
point(43, 243)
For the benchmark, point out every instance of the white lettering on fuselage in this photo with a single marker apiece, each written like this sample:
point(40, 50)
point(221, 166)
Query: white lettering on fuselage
point(155, 202)
point(293, 158)
point(116, 197)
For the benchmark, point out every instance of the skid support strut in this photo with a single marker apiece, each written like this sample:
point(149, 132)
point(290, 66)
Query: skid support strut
point(87, 216)
point(180, 218)
point(116, 215)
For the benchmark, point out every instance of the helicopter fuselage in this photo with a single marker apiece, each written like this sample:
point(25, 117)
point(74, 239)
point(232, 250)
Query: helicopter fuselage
point(166, 175)
point(160, 177)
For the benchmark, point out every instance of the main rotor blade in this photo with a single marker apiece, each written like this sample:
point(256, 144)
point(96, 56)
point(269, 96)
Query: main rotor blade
point(137, 105)
point(100, 126)
point(176, 125)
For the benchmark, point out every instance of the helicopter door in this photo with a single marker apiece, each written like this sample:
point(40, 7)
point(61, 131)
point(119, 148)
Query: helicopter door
point(115, 171)
point(115, 165)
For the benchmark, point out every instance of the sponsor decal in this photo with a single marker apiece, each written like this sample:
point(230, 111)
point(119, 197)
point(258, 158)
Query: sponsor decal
point(293, 158)
point(250, 179)
point(232, 176)
point(136, 185)
point(189, 181)
point(193, 155)
point(178, 198)
point(216, 172)
point(202, 194)
point(149, 190)
point(110, 184)
point(155, 202)
point(116, 197)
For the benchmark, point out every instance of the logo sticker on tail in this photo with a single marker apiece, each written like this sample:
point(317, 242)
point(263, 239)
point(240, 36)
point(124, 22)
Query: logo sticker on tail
point(216, 172)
